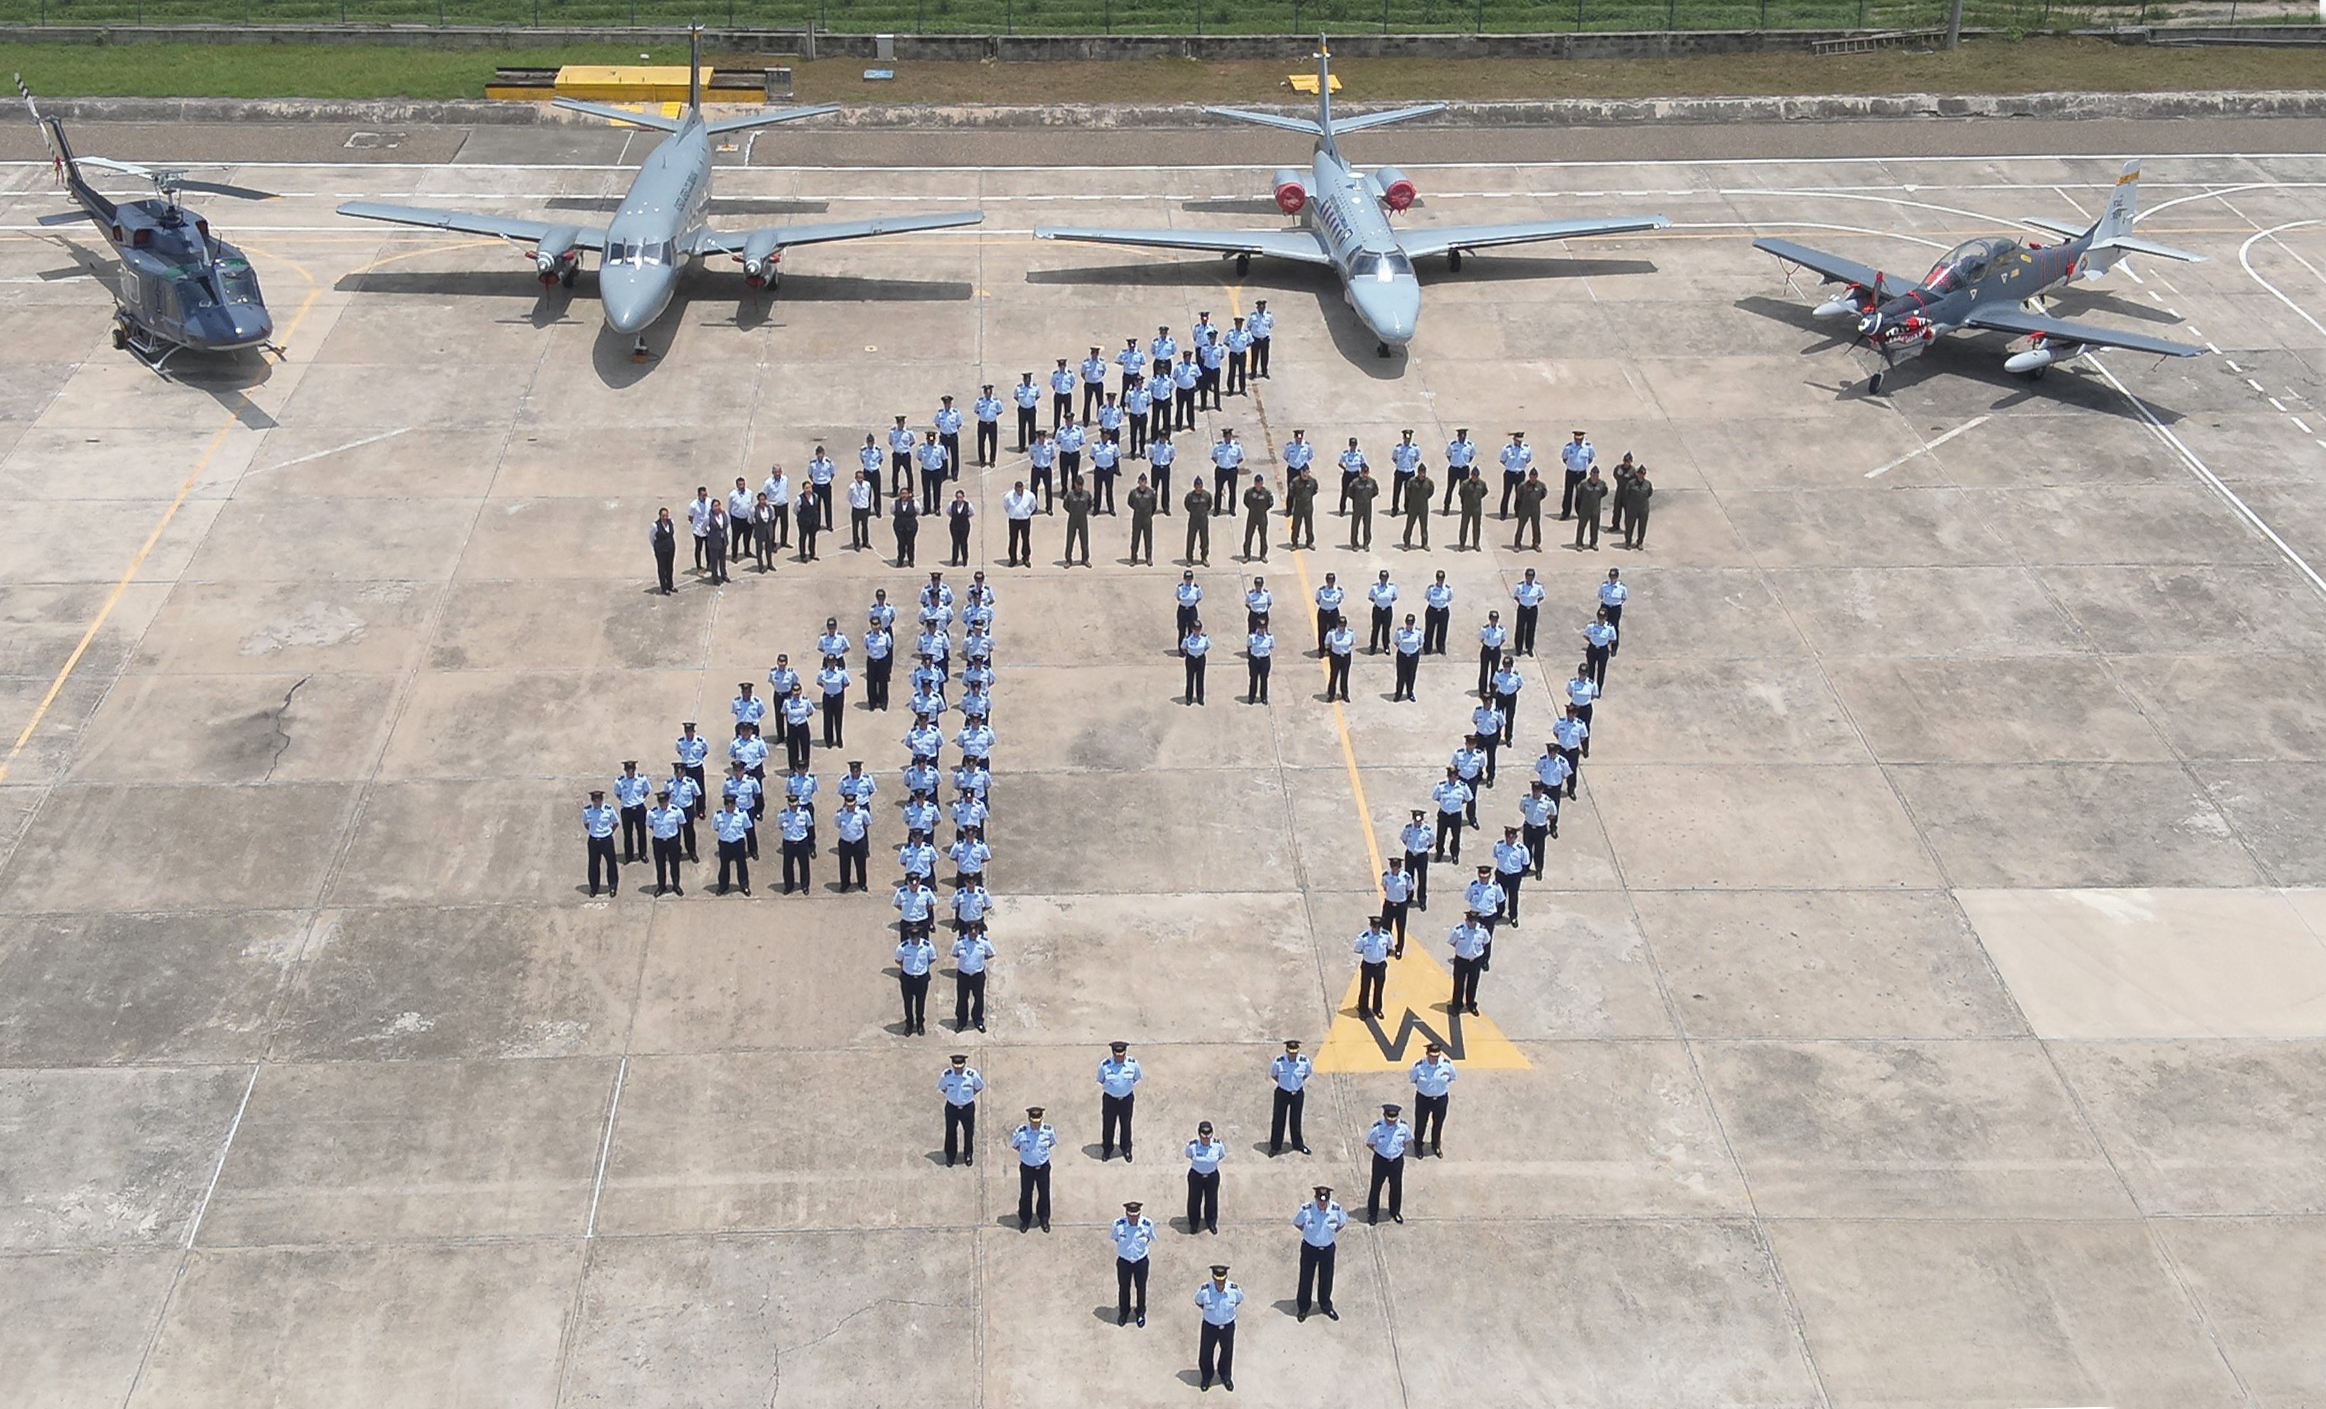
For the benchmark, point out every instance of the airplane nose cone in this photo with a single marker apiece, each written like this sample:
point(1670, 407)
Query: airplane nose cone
point(632, 299)
point(1870, 324)
point(1392, 310)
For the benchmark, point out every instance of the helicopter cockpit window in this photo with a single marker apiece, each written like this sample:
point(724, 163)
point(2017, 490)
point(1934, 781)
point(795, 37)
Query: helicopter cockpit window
point(194, 294)
point(239, 283)
point(1962, 265)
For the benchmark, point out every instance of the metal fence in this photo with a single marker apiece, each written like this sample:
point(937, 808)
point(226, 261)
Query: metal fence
point(1145, 16)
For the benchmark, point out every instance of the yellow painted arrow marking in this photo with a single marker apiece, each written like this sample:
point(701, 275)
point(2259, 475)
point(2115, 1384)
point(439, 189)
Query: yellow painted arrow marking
point(1414, 996)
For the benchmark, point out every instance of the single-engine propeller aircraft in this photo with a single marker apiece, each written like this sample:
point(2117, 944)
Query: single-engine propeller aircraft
point(1344, 220)
point(663, 222)
point(181, 287)
point(1994, 283)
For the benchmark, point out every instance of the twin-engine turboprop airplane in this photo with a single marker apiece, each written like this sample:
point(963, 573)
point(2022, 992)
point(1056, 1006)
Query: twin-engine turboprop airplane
point(1989, 283)
point(663, 222)
point(1344, 217)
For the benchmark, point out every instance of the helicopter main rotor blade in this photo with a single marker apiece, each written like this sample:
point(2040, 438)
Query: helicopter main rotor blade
point(221, 188)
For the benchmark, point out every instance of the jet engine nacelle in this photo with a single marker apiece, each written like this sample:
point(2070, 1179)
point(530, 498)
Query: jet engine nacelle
point(1394, 188)
point(760, 257)
point(1291, 196)
point(555, 255)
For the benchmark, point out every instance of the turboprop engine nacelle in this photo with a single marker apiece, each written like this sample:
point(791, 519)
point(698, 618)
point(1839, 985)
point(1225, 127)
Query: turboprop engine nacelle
point(1291, 196)
point(555, 253)
point(1394, 187)
point(760, 257)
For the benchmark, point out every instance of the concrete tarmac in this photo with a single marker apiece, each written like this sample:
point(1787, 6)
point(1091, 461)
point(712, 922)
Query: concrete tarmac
point(1920, 1005)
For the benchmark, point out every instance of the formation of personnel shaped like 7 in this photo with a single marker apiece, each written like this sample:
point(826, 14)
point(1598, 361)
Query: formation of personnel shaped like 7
point(1747, 851)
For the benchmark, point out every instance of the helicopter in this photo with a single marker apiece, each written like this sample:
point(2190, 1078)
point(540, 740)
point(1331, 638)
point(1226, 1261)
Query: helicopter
point(181, 287)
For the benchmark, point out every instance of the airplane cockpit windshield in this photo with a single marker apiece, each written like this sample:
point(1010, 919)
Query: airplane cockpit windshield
point(640, 253)
point(1962, 265)
point(1380, 267)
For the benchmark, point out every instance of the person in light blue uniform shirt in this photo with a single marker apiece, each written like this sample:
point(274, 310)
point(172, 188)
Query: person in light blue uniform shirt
point(599, 818)
point(1258, 603)
point(1437, 601)
point(1517, 458)
point(1511, 863)
point(901, 442)
point(1160, 455)
point(1204, 1154)
point(1397, 896)
point(692, 749)
point(1194, 647)
point(916, 907)
point(1185, 377)
point(781, 678)
point(747, 707)
point(1138, 412)
point(1552, 770)
point(930, 457)
point(1298, 454)
point(1259, 656)
point(1061, 395)
point(1189, 596)
point(972, 953)
point(1486, 723)
point(1353, 464)
point(1408, 666)
point(1506, 684)
point(960, 1084)
point(1320, 1222)
point(631, 790)
point(821, 473)
point(1110, 418)
point(1289, 1075)
point(1043, 476)
point(1453, 799)
point(1119, 1075)
point(1093, 382)
point(795, 823)
point(914, 955)
point(1215, 1355)
point(1469, 763)
point(1034, 1140)
point(1106, 460)
point(1262, 326)
point(1404, 461)
point(1471, 942)
point(1538, 814)
point(1329, 598)
point(1070, 441)
point(1029, 403)
point(1227, 457)
point(920, 809)
point(1383, 595)
point(1416, 841)
point(686, 796)
point(1612, 596)
point(917, 858)
point(1130, 364)
point(1210, 357)
point(1432, 1077)
point(1461, 463)
point(969, 813)
point(1373, 949)
point(1134, 1235)
point(1529, 595)
point(1578, 455)
point(1582, 693)
point(1239, 345)
point(852, 826)
point(1493, 637)
point(1388, 1139)
point(733, 828)
point(987, 410)
point(1570, 734)
point(973, 777)
point(1162, 352)
point(948, 423)
point(969, 853)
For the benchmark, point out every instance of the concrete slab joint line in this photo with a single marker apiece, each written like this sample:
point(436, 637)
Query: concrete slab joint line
point(1562, 112)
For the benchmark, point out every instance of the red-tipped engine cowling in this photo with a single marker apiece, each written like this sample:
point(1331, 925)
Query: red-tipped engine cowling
point(1291, 196)
point(1396, 188)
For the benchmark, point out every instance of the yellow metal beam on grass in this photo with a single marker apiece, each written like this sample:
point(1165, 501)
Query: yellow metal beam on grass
point(1306, 83)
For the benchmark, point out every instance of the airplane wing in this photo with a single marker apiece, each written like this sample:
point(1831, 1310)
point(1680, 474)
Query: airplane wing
point(1421, 242)
point(507, 227)
point(636, 118)
point(1832, 266)
point(1280, 244)
point(776, 237)
point(2018, 320)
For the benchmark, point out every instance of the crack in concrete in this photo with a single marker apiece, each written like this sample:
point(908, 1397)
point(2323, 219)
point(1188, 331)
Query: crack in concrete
point(775, 1376)
point(275, 721)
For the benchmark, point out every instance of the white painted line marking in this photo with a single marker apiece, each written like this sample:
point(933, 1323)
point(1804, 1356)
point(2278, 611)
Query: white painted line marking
point(2245, 257)
point(201, 1210)
point(2255, 385)
point(606, 1146)
point(2217, 353)
point(2276, 404)
point(2232, 366)
point(2305, 425)
point(2213, 481)
point(1971, 424)
point(337, 449)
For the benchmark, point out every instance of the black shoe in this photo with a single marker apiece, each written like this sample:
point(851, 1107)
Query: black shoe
point(1106, 1152)
point(1227, 1384)
point(1304, 1313)
point(1332, 1315)
point(1274, 1151)
point(1023, 1225)
point(968, 1160)
point(1397, 1218)
point(1126, 1155)
point(1142, 1318)
point(1045, 1225)
point(1205, 1386)
point(1122, 1318)
point(1304, 1149)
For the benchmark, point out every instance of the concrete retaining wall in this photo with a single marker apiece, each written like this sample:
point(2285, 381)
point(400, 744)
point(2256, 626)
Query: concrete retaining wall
point(1566, 112)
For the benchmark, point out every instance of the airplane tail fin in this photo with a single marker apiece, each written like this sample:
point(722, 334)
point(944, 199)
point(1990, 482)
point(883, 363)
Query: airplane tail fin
point(2111, 236)
point(694, 69)
point(1324, 88)
point(1324, 126)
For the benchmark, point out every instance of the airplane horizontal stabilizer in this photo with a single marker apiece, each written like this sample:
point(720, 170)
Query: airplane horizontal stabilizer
point(1365, 120)
point(612, 114)
point(768, 118)
point(1288, 123)
point(2132, 244)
